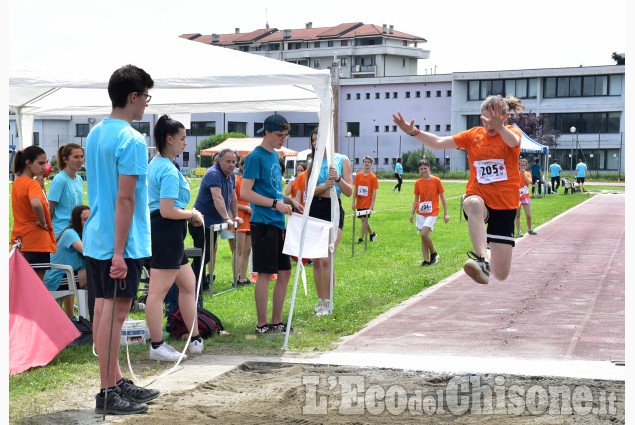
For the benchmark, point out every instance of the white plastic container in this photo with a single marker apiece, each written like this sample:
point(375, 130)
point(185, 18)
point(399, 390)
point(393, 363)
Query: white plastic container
point(134, 332)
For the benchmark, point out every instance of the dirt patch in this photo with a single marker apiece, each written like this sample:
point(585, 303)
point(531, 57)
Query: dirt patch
point(291, 393)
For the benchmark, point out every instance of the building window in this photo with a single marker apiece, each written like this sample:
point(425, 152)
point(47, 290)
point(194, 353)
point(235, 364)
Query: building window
point(142, 127)
point(386, 161)
point(386, 128)
point(387, 95)
point(448, 93)
point(316, 63)
point(586, 86)
point(588, 122)
point(348, 96)
point(376, 129)
point(403, 63)
point(237, 127)
point(358, 96)
point(316, 44)
point(427, 93)
point(448, 127)
point(36, 138)
point(394, 128)
point(407, 95)
point(427, 127)
point(344, 61)
point(344, 43)
point(81, 130)
point(330, 43)
point(353, 128)
point(395, 95)
point(417, 94)
point(202, 128)
point(367, 96)
point(302, 129)
point(522, 88)
point(438, 93)
point(437, 127)
point(377, 96)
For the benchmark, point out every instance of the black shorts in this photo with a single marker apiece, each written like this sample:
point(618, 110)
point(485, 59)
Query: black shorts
point(98, 271)
point(579, 180)
point(321, 208)
point(500, 226)
point(37, 257)
point(266, 249)
point(168, 249)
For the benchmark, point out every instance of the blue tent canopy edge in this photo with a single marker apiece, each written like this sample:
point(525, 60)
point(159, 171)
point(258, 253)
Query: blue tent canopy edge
point(529, 145)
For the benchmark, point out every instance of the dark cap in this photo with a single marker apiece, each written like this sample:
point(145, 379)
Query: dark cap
point(275, 122)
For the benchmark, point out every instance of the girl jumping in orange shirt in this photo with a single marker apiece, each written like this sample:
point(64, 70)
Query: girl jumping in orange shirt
point(492, 189)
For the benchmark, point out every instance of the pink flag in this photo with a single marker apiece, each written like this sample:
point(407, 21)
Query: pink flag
point(38, 328)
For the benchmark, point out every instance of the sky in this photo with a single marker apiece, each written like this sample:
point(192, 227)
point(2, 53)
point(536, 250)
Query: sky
point(461, 35)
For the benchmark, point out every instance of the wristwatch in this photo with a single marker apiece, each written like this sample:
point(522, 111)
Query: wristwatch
point(275, 202)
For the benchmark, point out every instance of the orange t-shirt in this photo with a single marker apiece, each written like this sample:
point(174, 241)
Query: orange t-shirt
point(523, 188)
point(242, 213)
point(365, 186)
point(428, 192)
point(300, 184)
point(34, 238)
point(493, 167)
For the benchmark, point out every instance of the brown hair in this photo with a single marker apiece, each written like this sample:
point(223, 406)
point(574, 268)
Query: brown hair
point(509, 103)
point(65, 151)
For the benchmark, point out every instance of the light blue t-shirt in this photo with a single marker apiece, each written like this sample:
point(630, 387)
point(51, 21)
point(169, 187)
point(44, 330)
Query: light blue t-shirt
point(338, 163)
point(68, 193)
point(165, 181)
point(264, 167)
point(114, 148)
point(555, 170)
point(580, 169)
point(65, 254)
point(398, 168)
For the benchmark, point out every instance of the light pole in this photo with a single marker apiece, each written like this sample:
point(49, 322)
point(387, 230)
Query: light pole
point(349, 134)
point(348, 144)
point(572, 130)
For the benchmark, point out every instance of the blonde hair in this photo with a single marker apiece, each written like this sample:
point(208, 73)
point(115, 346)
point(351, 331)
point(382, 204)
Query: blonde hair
point(509, 103)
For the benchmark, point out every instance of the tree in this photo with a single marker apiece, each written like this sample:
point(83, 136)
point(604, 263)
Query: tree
point(411, 160)
point(619, 58)
point(211, 141)
point(536, 128)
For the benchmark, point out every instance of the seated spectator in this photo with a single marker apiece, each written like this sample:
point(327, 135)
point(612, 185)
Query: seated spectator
point(70, 251)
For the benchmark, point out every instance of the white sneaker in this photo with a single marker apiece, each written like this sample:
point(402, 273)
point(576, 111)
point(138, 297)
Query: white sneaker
point(165, 353)
point(319, 306)
point(196, 346)
point(326, 308)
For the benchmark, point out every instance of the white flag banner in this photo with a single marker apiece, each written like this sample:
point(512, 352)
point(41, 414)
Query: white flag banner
point(316, 237)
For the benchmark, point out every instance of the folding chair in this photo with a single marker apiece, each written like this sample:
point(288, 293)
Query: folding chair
point(70, 280)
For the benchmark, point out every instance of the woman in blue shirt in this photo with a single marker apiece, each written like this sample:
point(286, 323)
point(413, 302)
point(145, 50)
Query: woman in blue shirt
point(398, 175)
point(168, 195)
point(70, 251)
point(338, 175)
point(67, 187)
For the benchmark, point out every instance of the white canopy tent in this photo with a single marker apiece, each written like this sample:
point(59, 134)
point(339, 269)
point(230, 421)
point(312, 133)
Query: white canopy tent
point(62, 74)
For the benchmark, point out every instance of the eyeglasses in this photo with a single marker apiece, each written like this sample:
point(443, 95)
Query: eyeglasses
point(282, 135)
point(148, 97)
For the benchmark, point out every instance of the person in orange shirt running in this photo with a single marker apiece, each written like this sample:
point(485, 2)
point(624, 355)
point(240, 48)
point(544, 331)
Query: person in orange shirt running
point(32, 226)
point(525, 198)
point(491, 196)
point(243, 233)
point(364, 193)
point(428, 190)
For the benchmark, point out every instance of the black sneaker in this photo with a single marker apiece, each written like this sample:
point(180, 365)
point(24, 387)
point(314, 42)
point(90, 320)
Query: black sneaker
point(261, 330)
point(360, 240)
point(136, 393)
point(434, 257)
point(477, 268)
point(373, 236)
point(279, 327)
point(425, 264)
point(117, 404)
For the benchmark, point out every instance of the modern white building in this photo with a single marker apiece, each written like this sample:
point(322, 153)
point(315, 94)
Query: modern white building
point(374, 71)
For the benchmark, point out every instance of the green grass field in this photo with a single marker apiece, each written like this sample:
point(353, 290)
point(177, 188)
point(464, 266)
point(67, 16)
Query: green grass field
point(368, 284)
